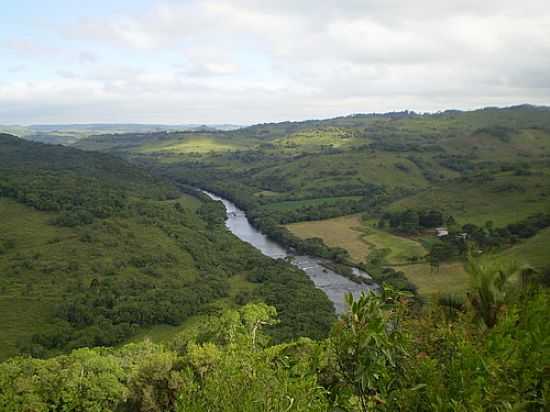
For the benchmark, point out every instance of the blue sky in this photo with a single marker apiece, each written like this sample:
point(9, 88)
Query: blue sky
point(247, 61)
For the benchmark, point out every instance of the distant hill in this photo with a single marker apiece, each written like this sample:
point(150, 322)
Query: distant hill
point(71, 133)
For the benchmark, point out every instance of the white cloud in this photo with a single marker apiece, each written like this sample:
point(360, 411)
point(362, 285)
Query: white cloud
point(87, 57)
point(254, 60)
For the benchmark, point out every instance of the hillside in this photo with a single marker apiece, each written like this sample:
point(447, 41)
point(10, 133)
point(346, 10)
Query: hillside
point(488, 168)
point(72, 133)
point(94, 251)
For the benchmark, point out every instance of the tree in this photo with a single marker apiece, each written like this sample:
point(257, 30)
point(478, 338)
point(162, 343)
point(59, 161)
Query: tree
point(489, 288)
point(451, 221)
point(410, 221)
point(369, 345)
point(432, 218)
point(441, 252)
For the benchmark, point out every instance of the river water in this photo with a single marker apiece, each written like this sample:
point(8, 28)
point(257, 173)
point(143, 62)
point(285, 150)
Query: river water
point(333, 284)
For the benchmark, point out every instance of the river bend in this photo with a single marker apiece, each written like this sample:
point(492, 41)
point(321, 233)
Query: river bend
point(333, 284)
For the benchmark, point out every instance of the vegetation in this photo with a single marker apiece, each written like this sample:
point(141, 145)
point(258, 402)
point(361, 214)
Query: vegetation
point(381, 356)
point(94, 250)
point(410, 172)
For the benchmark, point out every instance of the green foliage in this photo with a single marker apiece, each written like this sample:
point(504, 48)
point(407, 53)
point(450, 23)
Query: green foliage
point(381, 356)
point(236, 375)
point(490, 284)
point(418, 170)
point(90, 278)
point(369, 350)
point(96, 250)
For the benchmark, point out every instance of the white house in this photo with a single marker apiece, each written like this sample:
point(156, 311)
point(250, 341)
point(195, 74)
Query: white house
point(441, 231)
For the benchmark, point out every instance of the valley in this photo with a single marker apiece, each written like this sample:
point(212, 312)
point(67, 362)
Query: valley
point(225, 270)
point(275, 206)
point(325, 186)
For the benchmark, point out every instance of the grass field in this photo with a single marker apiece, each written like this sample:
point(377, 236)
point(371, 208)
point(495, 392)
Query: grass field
point(534, 251)
point(315, 138)
point(451, 278)
point(351, 233)
point(398, 248)
point(195, 144)
point(506, 199)
point(359, 239)
point(343, 232)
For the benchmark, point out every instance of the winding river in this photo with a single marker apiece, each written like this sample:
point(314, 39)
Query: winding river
point(333, 284)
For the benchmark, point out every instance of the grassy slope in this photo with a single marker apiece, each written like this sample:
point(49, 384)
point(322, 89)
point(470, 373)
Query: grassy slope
point(507, 199)
point(451, 278)
point(534, 251)
point(351, 233)
point(58, 258)
point(296, 204)
point(46, 261)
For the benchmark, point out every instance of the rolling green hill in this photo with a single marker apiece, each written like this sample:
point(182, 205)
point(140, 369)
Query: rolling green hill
point(94, 250)
point(483, 167)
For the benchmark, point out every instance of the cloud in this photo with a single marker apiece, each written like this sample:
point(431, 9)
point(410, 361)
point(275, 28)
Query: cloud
point(66, 74)
point(259, 60)
point(25, 47)
point(18, 68)
point(87, 57)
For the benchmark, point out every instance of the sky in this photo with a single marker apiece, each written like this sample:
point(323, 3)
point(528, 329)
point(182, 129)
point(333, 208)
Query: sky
point(251, 61)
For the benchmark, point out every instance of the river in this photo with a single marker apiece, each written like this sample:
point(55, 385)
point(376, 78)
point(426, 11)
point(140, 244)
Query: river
point(333, 284)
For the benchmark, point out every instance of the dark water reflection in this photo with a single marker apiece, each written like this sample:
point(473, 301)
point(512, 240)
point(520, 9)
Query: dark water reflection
point(334, 285)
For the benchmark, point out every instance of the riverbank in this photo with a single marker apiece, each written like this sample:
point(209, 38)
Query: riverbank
point(334, 285)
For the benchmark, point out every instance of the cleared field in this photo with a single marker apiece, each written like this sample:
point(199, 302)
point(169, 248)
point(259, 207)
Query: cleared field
point(342, 232)
point(534, 251)
point(195, 144)
point(350, 233)
point(398, 249)
point(311, 139)
point(450, 278)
